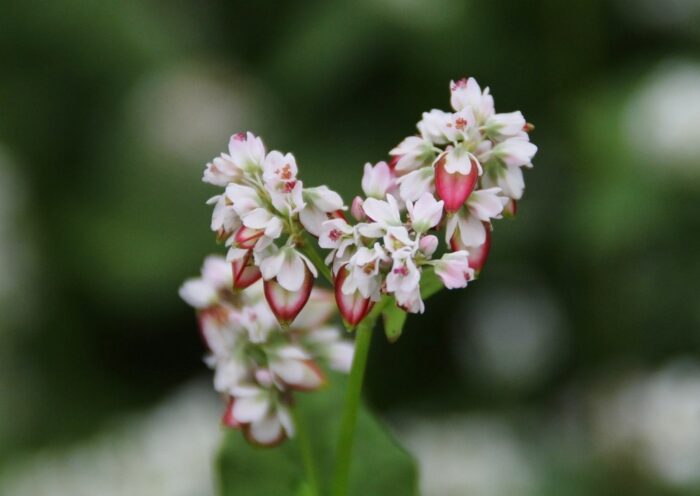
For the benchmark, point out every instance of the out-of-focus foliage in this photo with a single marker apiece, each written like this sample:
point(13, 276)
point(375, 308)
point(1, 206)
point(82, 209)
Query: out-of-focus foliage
point(379, 466)
point(590, 304)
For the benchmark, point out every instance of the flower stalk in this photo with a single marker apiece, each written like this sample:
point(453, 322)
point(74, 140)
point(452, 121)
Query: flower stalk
point(348, 422)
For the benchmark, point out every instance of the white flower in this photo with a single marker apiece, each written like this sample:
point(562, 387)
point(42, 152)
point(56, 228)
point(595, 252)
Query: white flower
point(383, 213)
point(287, 265)
point(416, 183)
point(203, 292)
point(412, 153)
point(289, 203)
point(336, 235)
point(221, 171)
point(263, 219)
point(515, 152)
point(216, 271)
point(425, 213)
point(508, 178)
point(364, 272)
point(434, 128)
point(247, 151)
point(410, 301)
point(486, 204)
point(466, 93)
point(243, 198)
point(198, 293)
point(471, 231)
point(294, 367)
point(267, 422)
point(224, 219)
point(320, 202)
point(230, 373)
point(280, 171)
point(404, 276)
point(378, 181)
point(398, 239)
point(500, 126)
point(482, 206)
point(453, 268)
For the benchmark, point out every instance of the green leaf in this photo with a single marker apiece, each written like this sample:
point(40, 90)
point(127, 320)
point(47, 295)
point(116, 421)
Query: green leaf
point(394, 319)
point(379, 467)
point(430, 284)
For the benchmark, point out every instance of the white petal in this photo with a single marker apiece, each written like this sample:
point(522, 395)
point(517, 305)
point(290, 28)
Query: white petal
point(486, 204)
point(250, 409)
point(292, 272)
point(312, 219)
point(198, 293)
point(471, 230)
point(267, 430)
point(271, 265)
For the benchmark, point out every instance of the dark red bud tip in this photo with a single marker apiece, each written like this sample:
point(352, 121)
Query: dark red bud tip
point(528, 127)
point(285, 304)
point(245, 272)
point(454, 189)
point(354, 307)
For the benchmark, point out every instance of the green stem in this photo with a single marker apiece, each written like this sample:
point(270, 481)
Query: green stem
point(320, 264)
point(352, 400)
point(307, 455)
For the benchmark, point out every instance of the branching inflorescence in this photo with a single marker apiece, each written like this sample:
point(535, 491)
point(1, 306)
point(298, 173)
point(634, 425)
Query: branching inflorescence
point(260, 315)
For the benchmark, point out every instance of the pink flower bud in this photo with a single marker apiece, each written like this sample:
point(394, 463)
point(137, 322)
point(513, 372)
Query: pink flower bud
point(393, 161)
point(511, 208)
point(352, 307)
point(356, 209)
point(454, 188)
point(245, 272)
point(477, 255)
point(246, 237)
point(227, 419)
point(428, 244)
point(286, 304)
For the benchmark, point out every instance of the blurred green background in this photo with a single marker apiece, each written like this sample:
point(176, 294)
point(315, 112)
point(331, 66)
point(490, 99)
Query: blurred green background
point(571, 367)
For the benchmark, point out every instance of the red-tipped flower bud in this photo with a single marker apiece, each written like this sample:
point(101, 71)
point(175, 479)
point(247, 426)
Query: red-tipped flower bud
point(353, 307)
point(246, 237)
point(477, 254)
point(286, 304)
point(245, 272)
point(454, 187)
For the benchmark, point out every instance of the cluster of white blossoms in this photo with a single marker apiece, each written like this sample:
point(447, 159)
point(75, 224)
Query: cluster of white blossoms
point(263, 215)
point(462, 171)
point(258, 363)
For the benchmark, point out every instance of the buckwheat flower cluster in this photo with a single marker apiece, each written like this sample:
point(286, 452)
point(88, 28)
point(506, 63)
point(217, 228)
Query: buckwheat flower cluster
point(462, 171)
point(262, 216)
point(471, 158)
point(258, 363)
